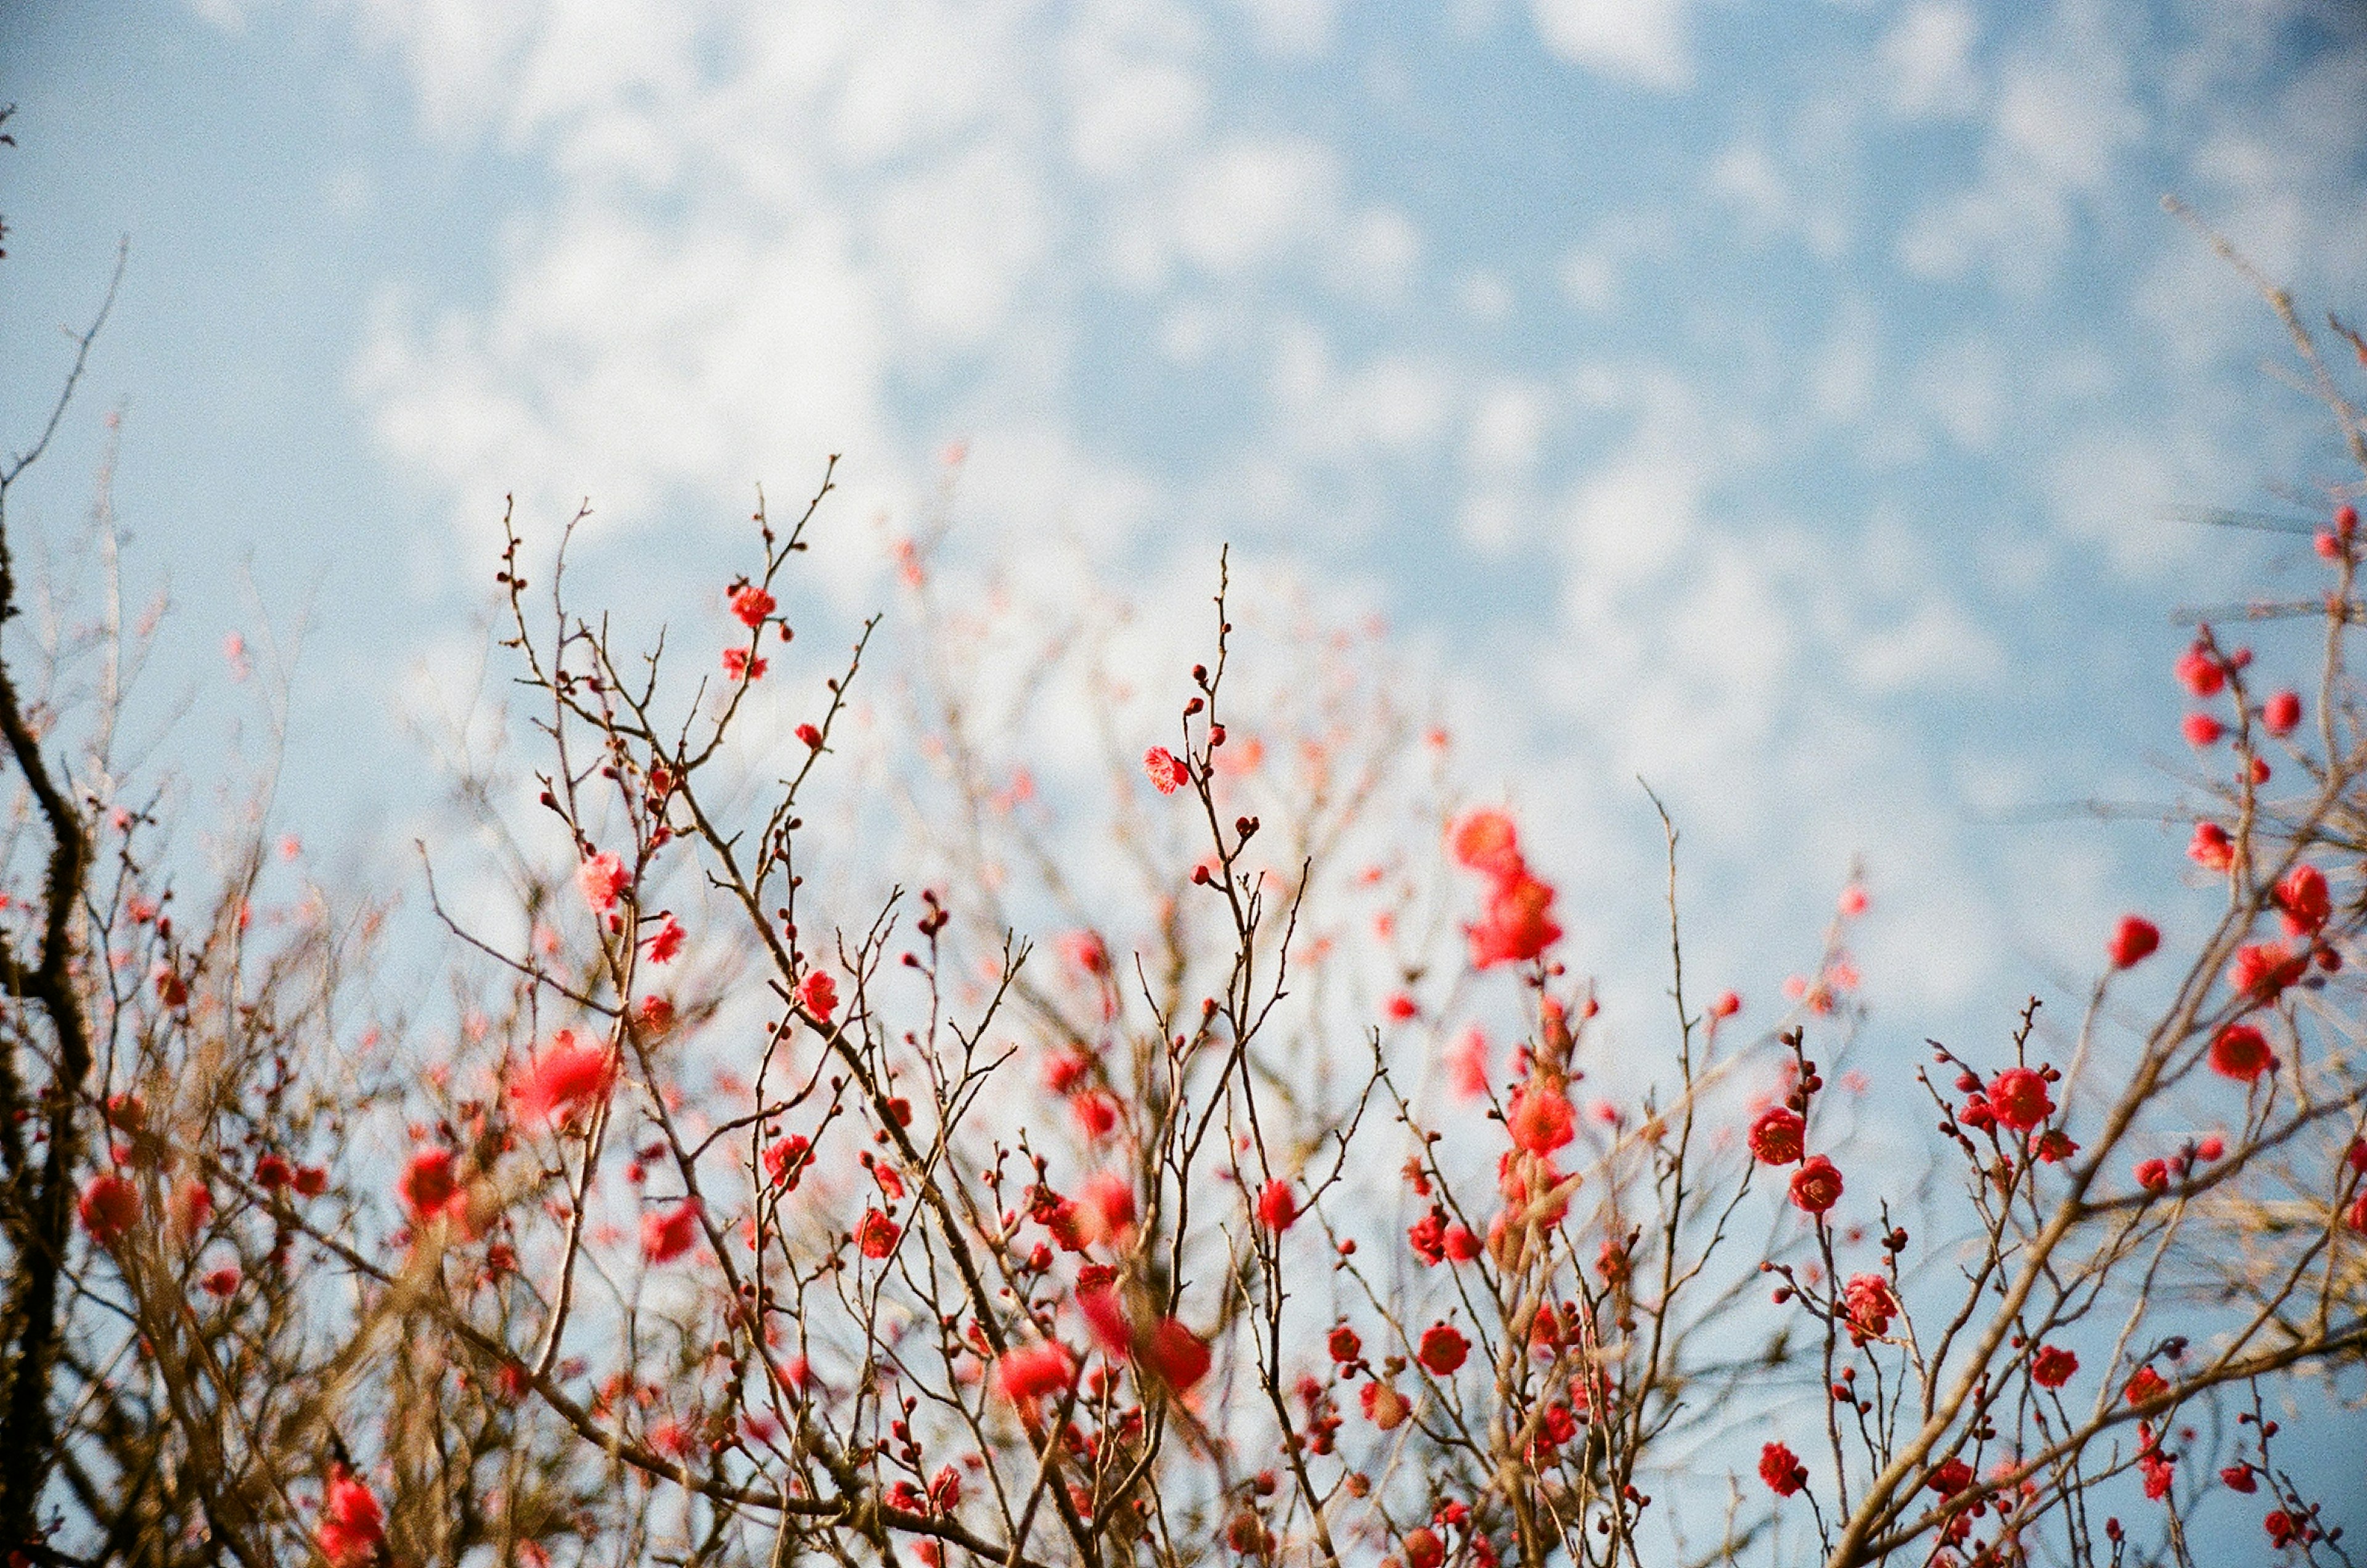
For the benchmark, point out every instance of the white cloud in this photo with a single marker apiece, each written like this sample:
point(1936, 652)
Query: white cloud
point(1927, 61)
point(1645, 41)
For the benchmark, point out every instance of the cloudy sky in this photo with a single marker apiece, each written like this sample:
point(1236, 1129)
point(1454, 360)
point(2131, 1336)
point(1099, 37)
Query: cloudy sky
point(1792, 404)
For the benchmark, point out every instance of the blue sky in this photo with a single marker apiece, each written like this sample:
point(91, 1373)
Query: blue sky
point(1787, 406)
point(1789, 403)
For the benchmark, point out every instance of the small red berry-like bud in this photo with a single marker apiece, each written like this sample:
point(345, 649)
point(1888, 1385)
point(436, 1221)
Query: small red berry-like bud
point(2280, 713)
point(2202, 730)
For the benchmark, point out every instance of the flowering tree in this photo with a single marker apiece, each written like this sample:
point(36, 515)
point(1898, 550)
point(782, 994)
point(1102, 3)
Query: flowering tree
point(1258, 1214)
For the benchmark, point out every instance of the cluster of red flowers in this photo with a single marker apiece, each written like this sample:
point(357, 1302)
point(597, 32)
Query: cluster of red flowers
point(1516, 923)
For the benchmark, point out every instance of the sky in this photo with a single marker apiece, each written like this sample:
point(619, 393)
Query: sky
point(1797, 406)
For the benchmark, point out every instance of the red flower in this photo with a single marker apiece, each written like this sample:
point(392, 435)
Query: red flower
point(666, 943)
point(1105, 1207)
point(2280, 713)
point(808, 737)
point(1086, 950)
point(2238, 1478)
point(2281, 1528)
point(2019, 1097)
point(1105, 1318)
point(1423, 1549)
point(1385, 1407)
point(1781, 1469)
point(739, 666)
point(351, 1529)
point(876, 1234)
point(1168, 772)
point(603, 879)
point(1485, 842)
point(2262, 970)
point(785, 1161)
point(1400, 1006)
point(2134, 940)
point(1728, 1004)
point(2199, 672)
point(667, 1236)
point(109, 1207)
point(2211, 848)
point(221, 1283)
point(1095, 1112)
point(2202, 730)
point(1776, 1134)
point(1442, 1349)
point(2145, 1386)
point(2055, 1145)
point(428, 1185)
point(1342, 1343)
point(2303, 902)
point(1459, 1243)
point(1277, 1206)
point(2240, 1051)
point(1031, 1371)
point(1542, 1120)
point(656, 1013)
point(1517, 923)
point(1854, 901)
point(818, 994)
point(1870, 1304)
point(1951, 1478)
point(2053, 1366)
point(1179, 1356)
point(565, 1076)
point(751, 604)
point(1816, 1186)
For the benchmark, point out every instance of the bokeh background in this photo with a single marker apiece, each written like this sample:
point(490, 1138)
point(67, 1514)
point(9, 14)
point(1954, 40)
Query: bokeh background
point(1805, 407)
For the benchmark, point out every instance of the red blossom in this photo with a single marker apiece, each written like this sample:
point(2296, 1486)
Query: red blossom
point(1385, 1407)
point(2280, 714)
point(2281, 1530)
point(2153, 1175)
point(2134, 940)
point(1781, 1469)
point(1951, 1477)
point(2303, 902)
point(2211, 848)
point(739, 666)
point(808, 737)
point(2145, 1386)
point(429, 1185)
point(2240, 1052)
point(1729, 1003)
point(1442, 1349)
point(109, 1207)
point(1031, 1371)
point(1816, 1186)
point(1517, 923)
point(876, 1234)
point(2202, 730)
point(818, 994)
point(352, 1529)
point(1487, 842)
point(1168, 772)
point(1542, 1120)
point(785, 1161)
point(667, 1236)
point(2053, 1366)
point(1178, 1356)
point(1277, 1206)
point(1343, 1343)
point(1466, 1064)
point(1776, 1134)
point(751, 604)
point(567, 1076)
point(2238, 1478)
point(2262, 970)
point(2019, 1097)
point(1423, 1549)
point(603, 879)
point(666, 943)
point(1400, 1006)
point(2200, 671)
point(1870, 1304)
